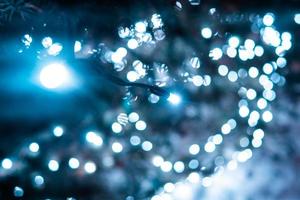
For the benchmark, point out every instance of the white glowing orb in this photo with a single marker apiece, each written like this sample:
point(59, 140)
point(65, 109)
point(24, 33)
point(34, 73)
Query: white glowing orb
point(135, 140)
point(153, 98)
point(251, 94)
point(90, 167)
point(53, 165)
point(232, 123)
point(268, 19)
point(166, 166)
point(207, 80)
point(34, 147)
point(256, 143)
point(140, 27)
point(117, 147)
point(268, 68)
point(231, 52)
point(216, 53)
point(244, 111)
point(297, 18)
point(254, 115)
point(267, 116)
point(281, 62)
point(258, 134)
point(262, 103)
point(58, 131)
point(195, 62)
point(193, 164)
point(157, 161)
point(217, 139)
point(140, 125)
point(269, 95)
point(174, 99)
point(74, 163)
point(206, 33)
point(54, 75)
point(226, 129)
point(132, 76)
point(147, 146)
point(116, 127)
point(179, 167)
point(133, 117)
point(122, 52)
point(223, 70)
point(7, 163)
point(232, 76)
point(38, 180)
point(209, 147)
point(197, 80)
point(234, 41)
point(132, 44)
point(244, 142)
point(194, 149)
point(47, 42)
point(259, 51)
point(249, 44)
point(253, 72)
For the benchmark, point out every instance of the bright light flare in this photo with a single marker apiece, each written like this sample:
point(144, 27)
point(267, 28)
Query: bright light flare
point(174, 99)
point(54, 75)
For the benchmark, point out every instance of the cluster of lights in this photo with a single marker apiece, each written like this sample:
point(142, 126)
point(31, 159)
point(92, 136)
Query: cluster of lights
point(55, 75)
point(139, 71)
point(123, 119)
point(267, 77)
point(137, 34)
point(142, 32)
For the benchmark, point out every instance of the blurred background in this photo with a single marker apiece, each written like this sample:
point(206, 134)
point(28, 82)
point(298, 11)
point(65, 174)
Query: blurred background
point(159, 100)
